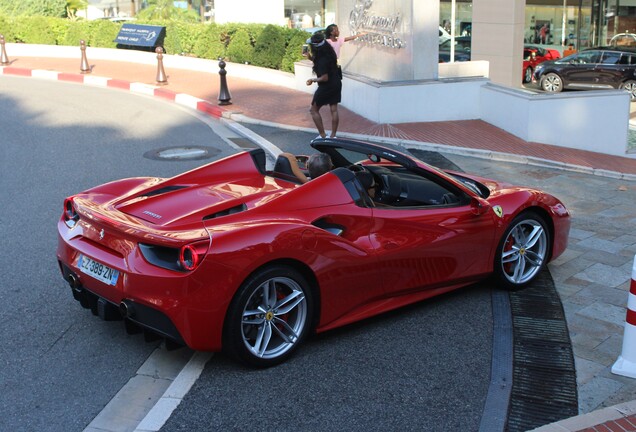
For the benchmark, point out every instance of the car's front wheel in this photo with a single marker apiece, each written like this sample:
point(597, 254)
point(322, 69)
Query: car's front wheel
point(551, 83)
point(630, 86)
point(523, 251)
point(527, 75)
point(269, 317)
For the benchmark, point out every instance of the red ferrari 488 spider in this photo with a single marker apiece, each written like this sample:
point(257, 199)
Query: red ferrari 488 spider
point(231, 256)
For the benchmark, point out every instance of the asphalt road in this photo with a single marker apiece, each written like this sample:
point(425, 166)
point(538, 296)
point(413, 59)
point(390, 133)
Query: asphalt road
point(59, 365)
point(424, 367)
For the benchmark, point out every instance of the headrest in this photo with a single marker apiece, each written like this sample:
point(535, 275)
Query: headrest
point(365, 178)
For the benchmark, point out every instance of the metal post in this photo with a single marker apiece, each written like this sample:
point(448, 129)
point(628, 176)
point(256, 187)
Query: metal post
point(4, 60)
point(224, 93)
point(84, 67)
point(162, 79)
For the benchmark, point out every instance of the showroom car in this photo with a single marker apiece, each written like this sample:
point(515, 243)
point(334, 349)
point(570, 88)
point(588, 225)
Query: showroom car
point(534, 55)
point(231, 256)
point(462, 50)
point(590, 69)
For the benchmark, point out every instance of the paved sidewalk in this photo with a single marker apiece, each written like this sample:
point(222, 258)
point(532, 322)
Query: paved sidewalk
point(592, 277)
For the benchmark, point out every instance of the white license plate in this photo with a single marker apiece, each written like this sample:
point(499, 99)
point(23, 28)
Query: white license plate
point(98, 270)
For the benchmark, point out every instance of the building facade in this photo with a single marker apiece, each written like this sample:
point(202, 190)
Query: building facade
point(581, 23)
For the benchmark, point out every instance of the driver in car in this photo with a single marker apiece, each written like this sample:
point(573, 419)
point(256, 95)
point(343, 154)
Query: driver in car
point(320, 163)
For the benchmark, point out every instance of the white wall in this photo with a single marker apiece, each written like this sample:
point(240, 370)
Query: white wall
point(249, 11)
point(595, 120)
point(588, 120)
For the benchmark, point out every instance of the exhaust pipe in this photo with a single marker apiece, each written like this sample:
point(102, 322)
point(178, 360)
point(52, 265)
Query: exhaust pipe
point(74, 282)
point(127, 309)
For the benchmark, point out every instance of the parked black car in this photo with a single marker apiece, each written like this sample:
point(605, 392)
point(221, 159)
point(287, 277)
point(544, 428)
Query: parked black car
point(590, 69)
point(462, 49)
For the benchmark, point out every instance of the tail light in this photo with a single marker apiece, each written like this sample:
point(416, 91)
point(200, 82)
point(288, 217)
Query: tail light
point(185, 259)
point(70, 214)
point(191, 255)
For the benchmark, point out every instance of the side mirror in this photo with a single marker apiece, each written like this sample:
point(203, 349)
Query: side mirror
point(479, 206)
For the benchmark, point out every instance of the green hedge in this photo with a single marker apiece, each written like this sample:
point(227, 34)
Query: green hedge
point(258, 44)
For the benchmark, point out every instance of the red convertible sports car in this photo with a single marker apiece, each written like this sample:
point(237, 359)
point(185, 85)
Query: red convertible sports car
point(534, 55)
point(232, 257)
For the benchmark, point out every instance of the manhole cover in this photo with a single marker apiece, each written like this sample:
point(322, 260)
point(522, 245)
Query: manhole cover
point(182, 153)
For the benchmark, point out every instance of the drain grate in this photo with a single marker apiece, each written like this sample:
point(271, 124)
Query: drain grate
point(544, 378)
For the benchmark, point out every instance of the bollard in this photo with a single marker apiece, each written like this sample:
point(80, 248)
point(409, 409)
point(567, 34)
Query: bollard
point(162, 79)
point(4, 60)
point(84, 67)
point(224, 93)
point(626, 363)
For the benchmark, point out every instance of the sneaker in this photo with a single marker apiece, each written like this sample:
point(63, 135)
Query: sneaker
point(319, 137)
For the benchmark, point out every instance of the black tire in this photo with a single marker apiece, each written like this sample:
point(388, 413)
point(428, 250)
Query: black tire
point(630, 87)
point(523, 251)
point(527, 76)
point(269, 317)
point(551, 83)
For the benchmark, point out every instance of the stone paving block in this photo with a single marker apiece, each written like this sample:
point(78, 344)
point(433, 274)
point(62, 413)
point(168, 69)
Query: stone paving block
point(595, 392)
point(604, 274)
point(604, 312)
point(600, 256)
point(593, 328)
point(580, 283)
point(586, 370)
point(626, 239)
point(570, 269)
point(618, 212)
point(570, 308)
point(612, 347)
point(570, 287)
point(600, 244)
point(585, 347)
point(566, 256)
point(610, 296)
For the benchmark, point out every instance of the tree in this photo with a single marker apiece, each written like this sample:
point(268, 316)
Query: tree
point(166, 10)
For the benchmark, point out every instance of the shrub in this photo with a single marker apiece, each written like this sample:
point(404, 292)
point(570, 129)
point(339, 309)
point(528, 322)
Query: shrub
point(293, 53)
point(49, 8)
point(102, 33)
point(6, 29)
point(269, 48)
point(240, 49)
point(181, 37)
point(78, 31)
point(34, 30)
point(211, 42)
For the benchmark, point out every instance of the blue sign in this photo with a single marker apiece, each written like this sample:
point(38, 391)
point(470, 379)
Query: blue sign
point(141, 35)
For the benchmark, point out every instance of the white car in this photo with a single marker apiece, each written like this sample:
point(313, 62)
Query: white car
point(443, 35)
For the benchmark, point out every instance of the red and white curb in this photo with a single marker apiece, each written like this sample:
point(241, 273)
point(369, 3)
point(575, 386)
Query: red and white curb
point(626, 363)
point(139, 88)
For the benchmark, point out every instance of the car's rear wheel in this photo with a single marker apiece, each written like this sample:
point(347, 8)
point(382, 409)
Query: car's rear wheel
point(551, 83)
point(269, 317)
point(527, 75)
point(523, 251)
point(630, 86)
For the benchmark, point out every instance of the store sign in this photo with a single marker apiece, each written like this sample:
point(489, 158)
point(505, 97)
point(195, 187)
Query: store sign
point(381, 30)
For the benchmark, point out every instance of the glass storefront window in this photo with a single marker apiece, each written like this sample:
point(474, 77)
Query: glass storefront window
point(458, 35)
point(310, 14)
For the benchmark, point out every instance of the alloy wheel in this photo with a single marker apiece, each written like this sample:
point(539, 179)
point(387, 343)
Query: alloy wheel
point(524, 251)
point(552, 83)
point(274, 317)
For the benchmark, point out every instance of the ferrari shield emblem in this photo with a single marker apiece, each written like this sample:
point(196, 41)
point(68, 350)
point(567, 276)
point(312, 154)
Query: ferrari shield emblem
point(498, 210)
